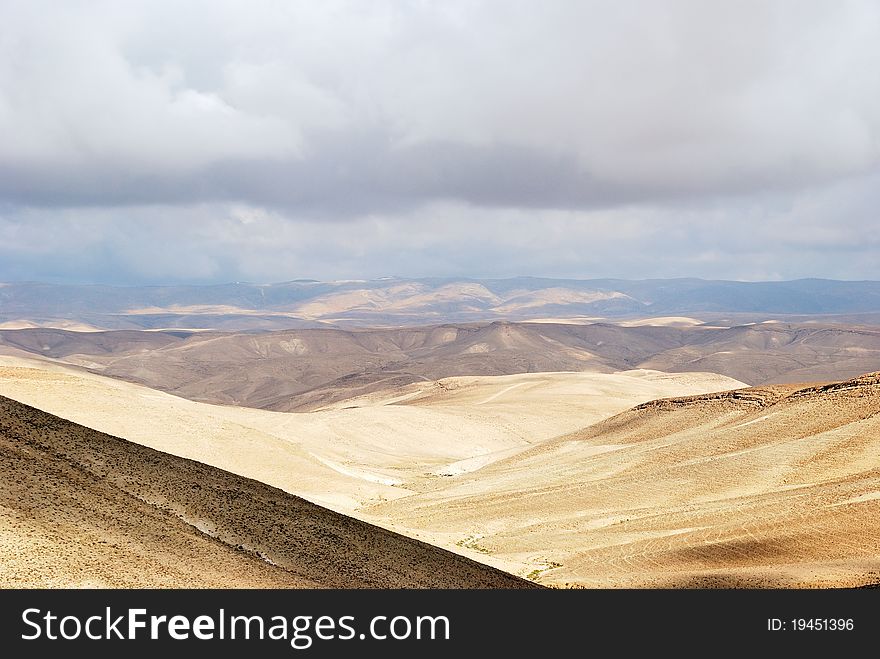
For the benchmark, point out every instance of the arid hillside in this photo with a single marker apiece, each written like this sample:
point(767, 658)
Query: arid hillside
point(550, 476)
point(396, 302)
point(300, 370)
point(81, 508)
point(358, 451)
point(772, 486)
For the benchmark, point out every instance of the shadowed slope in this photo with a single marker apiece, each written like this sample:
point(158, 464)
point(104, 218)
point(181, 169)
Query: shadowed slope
point(304, 370)
point(770, 486)
point(81, 508)
point(362, 450)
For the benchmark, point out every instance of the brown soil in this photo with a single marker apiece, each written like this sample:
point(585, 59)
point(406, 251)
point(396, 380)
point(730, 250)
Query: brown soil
point(81, 508)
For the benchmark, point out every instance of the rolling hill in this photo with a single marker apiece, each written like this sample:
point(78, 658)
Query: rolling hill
point(299, 370)
point(85, 509)
point(395, 302)
point(774, 486)
point(550, 476)
point(358, 451)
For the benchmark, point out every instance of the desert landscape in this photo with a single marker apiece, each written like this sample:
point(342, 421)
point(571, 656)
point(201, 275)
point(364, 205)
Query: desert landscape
point(84, 509)
point(633, 452)
point(444, 295)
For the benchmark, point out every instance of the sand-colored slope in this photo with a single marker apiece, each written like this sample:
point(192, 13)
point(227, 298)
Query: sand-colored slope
point(775, 486)
point(304, 370)
point(773, 352)
point(81, 508)
point(357, 453)
point(763, 486)
point(209, 434)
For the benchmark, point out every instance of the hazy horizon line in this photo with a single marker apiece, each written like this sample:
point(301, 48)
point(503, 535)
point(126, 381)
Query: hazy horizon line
point(451, 279)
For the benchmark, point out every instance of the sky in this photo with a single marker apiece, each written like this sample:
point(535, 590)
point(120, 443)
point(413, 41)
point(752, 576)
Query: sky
point(197, 142)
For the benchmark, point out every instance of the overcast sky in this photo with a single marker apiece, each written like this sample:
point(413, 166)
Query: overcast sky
point(162, 142)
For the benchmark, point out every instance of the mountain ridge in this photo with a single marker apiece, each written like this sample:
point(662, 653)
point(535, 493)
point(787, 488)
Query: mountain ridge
point(306, 369)
point(398, 301)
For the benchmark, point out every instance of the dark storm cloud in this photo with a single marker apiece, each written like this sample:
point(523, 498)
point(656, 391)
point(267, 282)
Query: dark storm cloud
point(347, 175)
point(570, 105)
point(132, 125)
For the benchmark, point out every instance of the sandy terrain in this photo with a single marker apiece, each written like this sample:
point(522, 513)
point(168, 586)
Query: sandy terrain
point(308, 369)
point(554, 476)
point(662, 321)
point(372, 449)
point(70, 326)
point(84, 509)
point(777, 486)
point(355, 453)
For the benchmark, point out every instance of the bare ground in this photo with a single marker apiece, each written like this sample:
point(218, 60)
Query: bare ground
point(81, 508)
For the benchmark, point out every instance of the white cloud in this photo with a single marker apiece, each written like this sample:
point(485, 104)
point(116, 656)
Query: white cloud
point(265, 140)
point(785, 237)
point(672, 94)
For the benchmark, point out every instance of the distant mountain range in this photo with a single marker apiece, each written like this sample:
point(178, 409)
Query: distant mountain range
point(306, 369)
point(393, 301)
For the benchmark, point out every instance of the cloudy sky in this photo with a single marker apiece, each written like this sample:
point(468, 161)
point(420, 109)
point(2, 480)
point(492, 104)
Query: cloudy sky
point(162, 142)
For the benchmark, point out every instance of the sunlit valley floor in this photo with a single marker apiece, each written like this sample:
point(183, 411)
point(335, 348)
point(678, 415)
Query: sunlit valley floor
point(566, 479)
